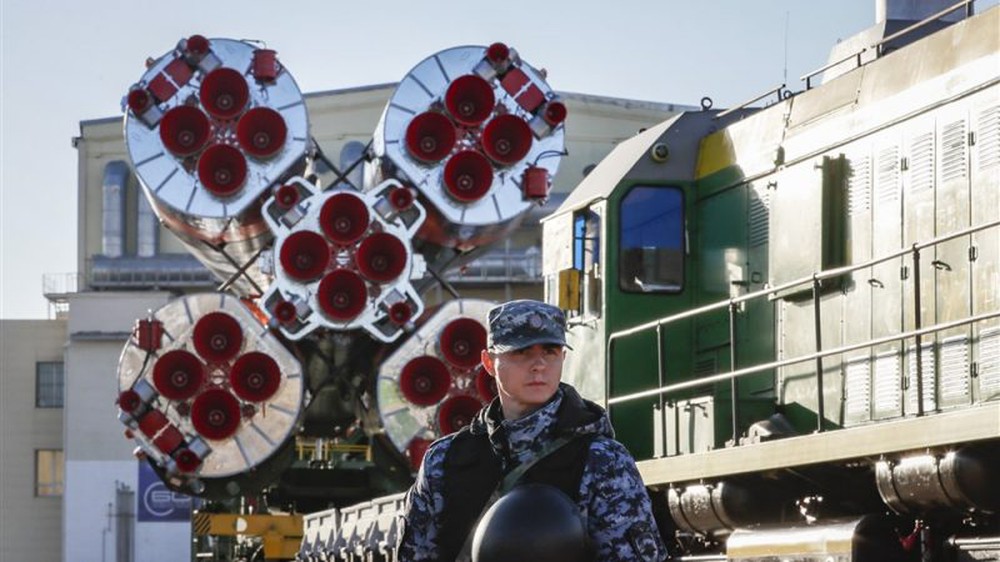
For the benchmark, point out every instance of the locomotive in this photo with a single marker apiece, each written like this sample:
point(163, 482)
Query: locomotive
point(791, 313)
point(797, 308)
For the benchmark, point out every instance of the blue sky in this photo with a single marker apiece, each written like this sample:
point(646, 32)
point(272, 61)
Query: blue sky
point(64, 61)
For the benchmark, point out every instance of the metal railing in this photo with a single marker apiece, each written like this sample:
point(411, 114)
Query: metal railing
point(879, 48)
point(815, 282)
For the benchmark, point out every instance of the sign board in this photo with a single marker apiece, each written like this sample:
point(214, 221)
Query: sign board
point(157, 503)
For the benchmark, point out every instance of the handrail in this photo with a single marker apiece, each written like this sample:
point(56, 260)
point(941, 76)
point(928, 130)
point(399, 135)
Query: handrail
point(877, 47)
point(723, 377)
point(777, 89)
point(815, 280)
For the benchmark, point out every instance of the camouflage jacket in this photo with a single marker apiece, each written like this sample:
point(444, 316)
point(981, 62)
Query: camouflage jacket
point(613, 501)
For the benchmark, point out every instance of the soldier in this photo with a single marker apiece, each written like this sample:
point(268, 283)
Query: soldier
point(542, 426)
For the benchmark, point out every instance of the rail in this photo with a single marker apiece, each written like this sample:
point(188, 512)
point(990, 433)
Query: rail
point(879, 47)
point(816, 281)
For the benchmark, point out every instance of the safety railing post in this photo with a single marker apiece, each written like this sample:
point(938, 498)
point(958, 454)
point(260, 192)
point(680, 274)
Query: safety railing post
point(917, 324)
point(820, 402)
point(734, 383)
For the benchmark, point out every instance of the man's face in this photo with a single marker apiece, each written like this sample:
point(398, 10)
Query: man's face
point(526, 378)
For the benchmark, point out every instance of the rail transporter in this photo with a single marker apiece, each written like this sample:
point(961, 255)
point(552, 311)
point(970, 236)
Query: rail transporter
point(791, 313)
point(797, 309)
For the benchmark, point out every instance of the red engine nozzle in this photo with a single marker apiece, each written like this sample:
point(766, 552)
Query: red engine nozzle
point(554, 113)
point(468, 175)
point(469, 100)
point(506, 139)
point(425, 380)
point(416, 451)
point(304, 255)
point(187, 460)
point(497, 53)
point(462, 341)
point(342, 295)
point(197, 45)
point(456, 413)
point(261, 132)
point(430, 137)
point(178, 375)
point(222, 169)
point(184, 130)
point(401, 198)
point(486, 385)
point(285, 312)
point(139, 100)
point(381, 257)
point(129, 401)
point(400, 313)
point(255, 377)
point(344, 218)
point(224, 93)
point(215, 414)
point(218, 337)
point(286, 196)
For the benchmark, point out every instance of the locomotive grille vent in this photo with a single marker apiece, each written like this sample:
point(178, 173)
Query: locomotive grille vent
point(922, 162)
point(929, 370)
point(887, 175)
point(706, 366)
point(989, 363)
point(859, 186)
point(953, 152)
point(955, 370)
point(760, 220)
point(887, 384)
point(858, 389)
point(989, 137)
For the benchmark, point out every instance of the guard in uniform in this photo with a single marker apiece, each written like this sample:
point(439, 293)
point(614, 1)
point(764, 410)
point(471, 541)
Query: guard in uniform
point(538, 431)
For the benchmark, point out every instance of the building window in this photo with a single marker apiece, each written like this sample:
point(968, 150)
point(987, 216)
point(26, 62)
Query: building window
point(49, 384)
point(48, 472)
point(652, 240)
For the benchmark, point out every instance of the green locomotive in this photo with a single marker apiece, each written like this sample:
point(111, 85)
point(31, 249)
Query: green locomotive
point(793, 313)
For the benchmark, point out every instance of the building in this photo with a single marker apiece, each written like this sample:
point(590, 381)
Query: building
point(31, 438)
point(128, 264)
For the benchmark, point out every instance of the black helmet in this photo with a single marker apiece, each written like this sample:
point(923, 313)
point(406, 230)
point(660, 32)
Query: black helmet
point(533, 522)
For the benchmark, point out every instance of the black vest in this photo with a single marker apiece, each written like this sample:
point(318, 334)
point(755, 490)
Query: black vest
point(472, 472)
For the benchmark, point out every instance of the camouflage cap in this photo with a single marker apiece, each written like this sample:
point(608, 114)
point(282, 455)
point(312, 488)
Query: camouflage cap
point(523, 323)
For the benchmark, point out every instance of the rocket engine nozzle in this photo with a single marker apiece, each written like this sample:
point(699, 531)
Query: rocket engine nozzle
point(381, 257)
point(184, 130)
point(456, 413)
point(430, 137)
point(470, 100)
point(224, 93)
point(468, 176)
point(461, 342)
point(304, 255)
point(222, 169)
point(425, 380)
point(178, 375)
point(255, 377)
point(261, 132)
point(344, 218)
point(342, 295)
point(218, 337)
point(507, 139)
point(215, 414)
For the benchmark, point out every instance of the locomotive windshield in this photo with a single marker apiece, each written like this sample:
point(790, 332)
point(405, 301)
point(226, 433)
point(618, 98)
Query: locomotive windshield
point(652, 240)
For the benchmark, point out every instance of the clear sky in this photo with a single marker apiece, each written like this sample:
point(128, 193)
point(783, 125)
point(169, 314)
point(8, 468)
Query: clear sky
point(64, 61)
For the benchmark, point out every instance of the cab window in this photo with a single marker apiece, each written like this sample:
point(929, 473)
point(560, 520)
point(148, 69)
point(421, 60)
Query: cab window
point(652, 240)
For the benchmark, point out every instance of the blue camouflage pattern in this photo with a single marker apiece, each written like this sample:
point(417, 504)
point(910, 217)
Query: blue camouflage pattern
point(613, 501)
point(523, 323)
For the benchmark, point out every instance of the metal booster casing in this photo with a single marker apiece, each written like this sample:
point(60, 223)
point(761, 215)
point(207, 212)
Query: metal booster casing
point(207, 391)
point(343, 259)
point(478, 132)
point(210, 127)
point(433, 383)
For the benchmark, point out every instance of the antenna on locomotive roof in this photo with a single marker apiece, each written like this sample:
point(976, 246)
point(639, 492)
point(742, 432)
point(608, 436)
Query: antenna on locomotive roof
point(784, 77)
